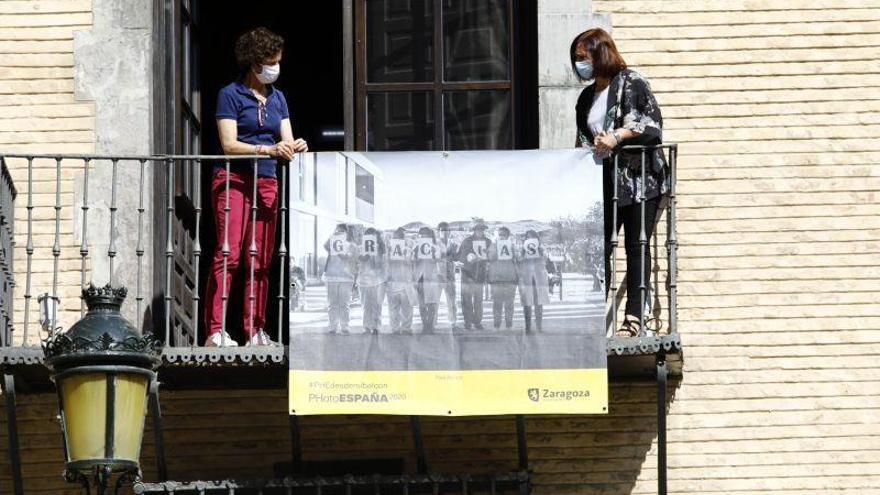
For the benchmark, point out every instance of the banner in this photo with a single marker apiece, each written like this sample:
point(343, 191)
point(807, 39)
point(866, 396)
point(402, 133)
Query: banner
point(432, 285)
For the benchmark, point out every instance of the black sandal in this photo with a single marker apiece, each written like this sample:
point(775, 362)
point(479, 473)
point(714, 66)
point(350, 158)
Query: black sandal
point(629, 328)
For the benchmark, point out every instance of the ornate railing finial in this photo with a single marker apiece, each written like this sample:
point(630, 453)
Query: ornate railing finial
point(104, 297)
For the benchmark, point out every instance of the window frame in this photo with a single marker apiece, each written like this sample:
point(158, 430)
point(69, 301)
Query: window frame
point(438, 87)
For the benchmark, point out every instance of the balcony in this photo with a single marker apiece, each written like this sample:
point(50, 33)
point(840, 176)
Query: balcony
point(109, 219)
point(141, 221)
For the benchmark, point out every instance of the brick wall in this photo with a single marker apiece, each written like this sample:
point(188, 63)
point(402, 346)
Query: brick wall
point(775, 106)
point(40, 114)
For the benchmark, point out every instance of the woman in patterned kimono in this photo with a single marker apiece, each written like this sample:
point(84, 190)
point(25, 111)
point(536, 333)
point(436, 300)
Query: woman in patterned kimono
point(426, 273)
point(618, 109)
point(534, 286)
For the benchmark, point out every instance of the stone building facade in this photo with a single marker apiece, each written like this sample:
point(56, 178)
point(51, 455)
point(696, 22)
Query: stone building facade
point(774, 107)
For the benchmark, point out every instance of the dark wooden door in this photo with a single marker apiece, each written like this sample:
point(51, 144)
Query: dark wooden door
point(184, 122)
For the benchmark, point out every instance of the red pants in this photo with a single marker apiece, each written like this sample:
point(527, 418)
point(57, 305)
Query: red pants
point(242, 236)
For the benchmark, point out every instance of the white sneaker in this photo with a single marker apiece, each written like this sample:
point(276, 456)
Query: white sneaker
point(215, 340)
point(260, 338)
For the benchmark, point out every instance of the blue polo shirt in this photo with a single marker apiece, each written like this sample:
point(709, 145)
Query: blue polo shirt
point(257, 123)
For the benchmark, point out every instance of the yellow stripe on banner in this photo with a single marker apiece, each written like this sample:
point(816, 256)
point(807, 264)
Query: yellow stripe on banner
point(449, 393)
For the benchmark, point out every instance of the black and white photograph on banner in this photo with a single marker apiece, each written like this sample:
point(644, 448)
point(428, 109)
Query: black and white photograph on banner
point(497, 247)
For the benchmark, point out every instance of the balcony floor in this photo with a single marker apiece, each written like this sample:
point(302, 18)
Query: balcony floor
point(629, 359)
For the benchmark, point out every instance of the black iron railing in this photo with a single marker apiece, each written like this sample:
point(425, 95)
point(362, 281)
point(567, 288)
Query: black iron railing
point(512, 483)
point(121, 189)
point(652, 320)
point(7, 243)
point(121, 206)
point(164, 195)
point(178, 252)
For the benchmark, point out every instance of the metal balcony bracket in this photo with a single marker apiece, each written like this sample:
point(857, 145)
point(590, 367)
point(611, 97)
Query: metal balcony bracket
point(12, 432)
point(662, 374)
point(419, 443)
point(522, 447)
point(296, 445)
point(159, 439)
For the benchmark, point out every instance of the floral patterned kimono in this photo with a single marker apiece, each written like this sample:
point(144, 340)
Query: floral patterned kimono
point(632, 106)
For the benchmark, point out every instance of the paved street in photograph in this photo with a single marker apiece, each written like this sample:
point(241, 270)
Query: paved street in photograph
point(568, 326)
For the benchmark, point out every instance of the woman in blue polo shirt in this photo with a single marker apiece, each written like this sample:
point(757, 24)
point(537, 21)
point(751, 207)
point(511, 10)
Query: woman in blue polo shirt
point(253, 119)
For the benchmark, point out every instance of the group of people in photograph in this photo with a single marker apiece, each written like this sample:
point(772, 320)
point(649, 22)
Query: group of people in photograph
point(420, 270)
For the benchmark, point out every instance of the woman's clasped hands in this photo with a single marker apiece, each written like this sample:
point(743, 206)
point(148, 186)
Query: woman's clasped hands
point(286, 149)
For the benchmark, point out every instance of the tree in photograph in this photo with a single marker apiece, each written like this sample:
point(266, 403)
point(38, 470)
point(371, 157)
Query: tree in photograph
point(582, 241)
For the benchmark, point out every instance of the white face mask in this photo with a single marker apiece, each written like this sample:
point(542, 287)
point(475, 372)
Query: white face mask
point(268, 74)
point(584, 68)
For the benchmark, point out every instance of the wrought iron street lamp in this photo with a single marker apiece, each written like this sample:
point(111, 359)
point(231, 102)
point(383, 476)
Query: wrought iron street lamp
point(102, 369)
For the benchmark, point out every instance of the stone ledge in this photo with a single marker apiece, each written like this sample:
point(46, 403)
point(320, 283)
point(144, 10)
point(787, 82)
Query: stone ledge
point(277, 355)
point(639, 346)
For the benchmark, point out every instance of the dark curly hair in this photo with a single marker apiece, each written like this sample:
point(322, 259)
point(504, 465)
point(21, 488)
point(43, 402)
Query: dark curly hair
point(255, 46)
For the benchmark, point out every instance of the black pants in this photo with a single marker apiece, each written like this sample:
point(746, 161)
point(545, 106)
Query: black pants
point(629, 216)
point(471, 300)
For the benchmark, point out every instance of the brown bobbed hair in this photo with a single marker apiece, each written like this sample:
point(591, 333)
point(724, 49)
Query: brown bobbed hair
point(607, 61)
point(256, 46)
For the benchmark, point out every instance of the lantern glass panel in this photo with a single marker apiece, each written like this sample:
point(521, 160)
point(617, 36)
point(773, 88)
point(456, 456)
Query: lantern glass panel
point(131, 396)
point(85, 414)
